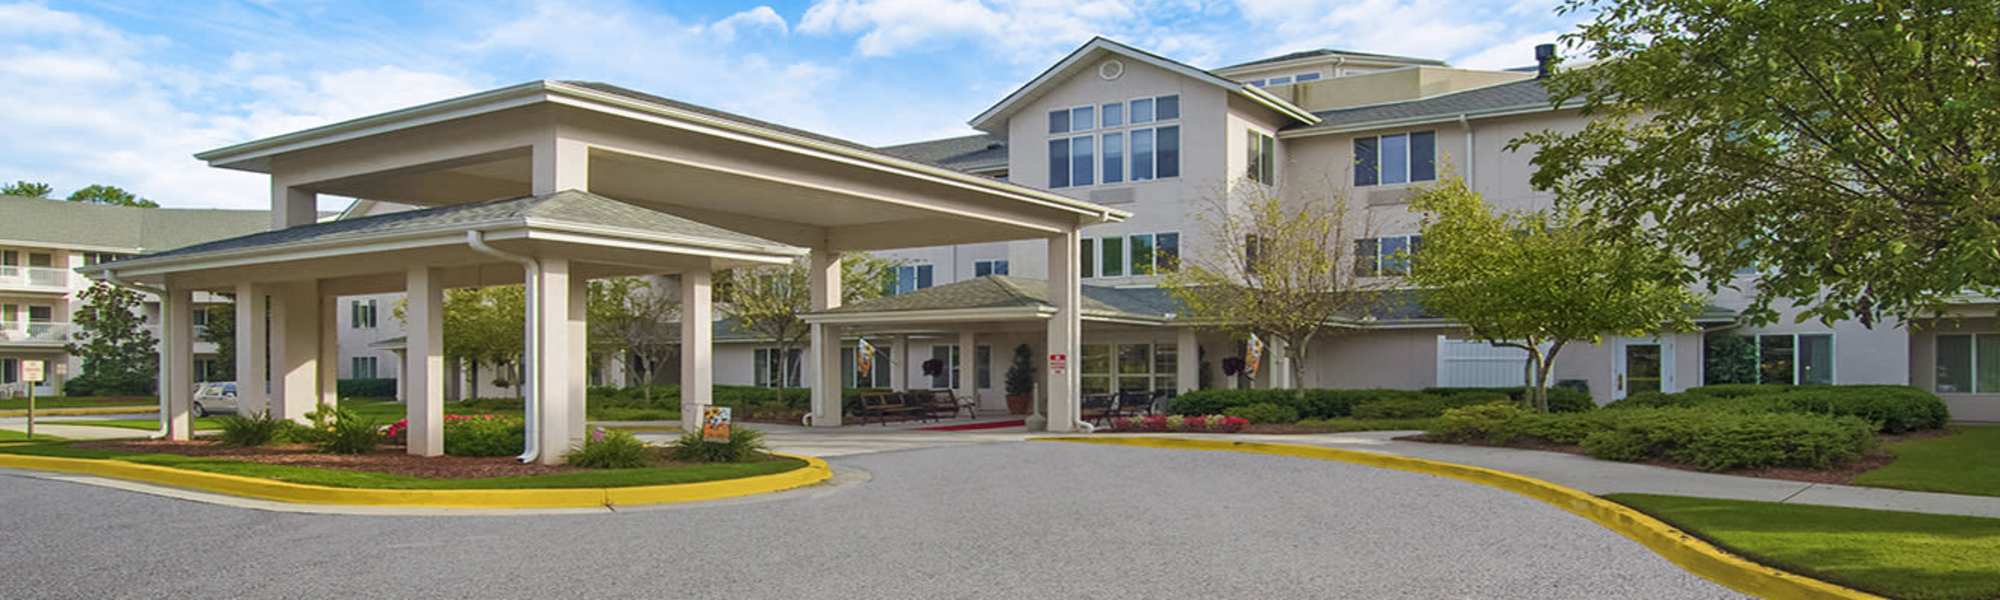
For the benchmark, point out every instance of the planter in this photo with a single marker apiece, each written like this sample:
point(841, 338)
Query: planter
point(1018, 404)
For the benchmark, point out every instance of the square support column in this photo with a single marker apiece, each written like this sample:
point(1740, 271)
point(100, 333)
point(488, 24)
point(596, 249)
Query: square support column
point(295, 320)
point(697, 337)
point(292, 207)
point(824, 340)
point(968, 366)
point(554, 376)
point(252, 349)
point(1187, 365)
point(899, 365)
point(423, 365)
point(177, 362)
point(329, 352)
point(1065, 333)
point(560, 164)
point(1279, 369)
point(578, 356)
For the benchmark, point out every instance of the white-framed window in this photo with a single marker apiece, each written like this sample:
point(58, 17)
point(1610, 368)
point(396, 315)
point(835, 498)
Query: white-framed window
point(770, 371)
point(982, 366)
point(363, 368)
point(983, 268)
point(910, 278)
point(1395, 159)
point(1135, 254)
point(1111, 259)
point(1263, 158)
point(1136, 140)
point(361, 314)
point(1088, 268)
point(1968, 364)
point(1386, 256)
point(1107, 368)
point(1284, 79)
point(10, 370)
point(1795, 358)
point(946, 379)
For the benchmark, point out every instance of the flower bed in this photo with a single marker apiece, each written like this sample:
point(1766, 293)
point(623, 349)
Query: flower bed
point(1179, 423)
point(471, 435)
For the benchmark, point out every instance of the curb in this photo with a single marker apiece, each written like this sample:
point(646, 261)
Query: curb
point(1679, 547)
point(814, 472)
point(76, 411)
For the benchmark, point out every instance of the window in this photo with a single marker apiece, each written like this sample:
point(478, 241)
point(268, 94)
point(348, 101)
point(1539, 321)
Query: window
point(1114, 157)
point(983, 268)
point(1968, 364)
point(1166, 252)
point(1113, 264)
point(910, 278)
point(1399, 158)
point(982, 366)
point(1795, 359)
point(1283, 79)
point(1279, 80)
point(1385, 256)
point(1128, 367)
point(41, 259)
point(1263, 158)
point(1082, 162)
point(877, 377)
point(1142, 254)
point(770, 371)
point(1059, 121)
point(1167, 108)
point(41, 314)
point(1087, 268)
point(1059, 163)
point(1113, 114)
point(1302, 77)
point(946, 379)
point(364, 368)
point(1142, 110)
point(199, 316)
point(1169, 156)
point(362, 314)
point(10, 370)
point(10, 258)
point(1142, 154)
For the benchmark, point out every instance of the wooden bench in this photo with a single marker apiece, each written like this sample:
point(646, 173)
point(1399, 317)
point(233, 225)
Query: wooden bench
point(889, 405)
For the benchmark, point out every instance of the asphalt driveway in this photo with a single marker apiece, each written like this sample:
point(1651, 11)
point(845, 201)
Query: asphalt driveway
point(1003, 520)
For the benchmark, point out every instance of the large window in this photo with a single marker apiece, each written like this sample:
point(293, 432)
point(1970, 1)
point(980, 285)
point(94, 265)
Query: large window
point(1114, 157)
point(1393, 159)
point(1107, 368)
point(982, 268)
point(10, 370)
point(1968, 364)
point(1385, 256)
point(363, 368)
point(362, 314)
point(1795, 359)
point(1113, 262)
point(1114, 143)
point(948, 378)
point(910, 278)
point(770, 371)
point(982, 366)
point(1263, 159)
point(1137, 254)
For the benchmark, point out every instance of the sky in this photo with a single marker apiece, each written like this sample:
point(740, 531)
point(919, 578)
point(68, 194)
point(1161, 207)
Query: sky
point(124, 93)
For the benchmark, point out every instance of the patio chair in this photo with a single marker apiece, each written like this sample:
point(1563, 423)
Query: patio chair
point(883, 406)
point(1133, 404)
point(944, 402)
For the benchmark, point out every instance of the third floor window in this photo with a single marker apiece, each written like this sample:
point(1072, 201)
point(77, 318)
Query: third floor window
point(1116, 142)
point(363, 314)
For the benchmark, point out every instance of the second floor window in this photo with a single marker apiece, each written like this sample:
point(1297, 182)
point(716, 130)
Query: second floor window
point(1136, 254)
point(1393, 159)
point(983, 268)
point(1385, 256)
point(910, 278)
point(1263, 164)
point(362, 314)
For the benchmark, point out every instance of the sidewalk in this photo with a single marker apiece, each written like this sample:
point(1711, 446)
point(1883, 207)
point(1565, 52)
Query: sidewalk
point(75, 432)
point(1606, 477)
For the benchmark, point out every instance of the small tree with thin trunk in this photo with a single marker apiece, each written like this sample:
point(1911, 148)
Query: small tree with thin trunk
point(1274, 267)
point(772, 300)
point(634, 317)
point(1539, 281)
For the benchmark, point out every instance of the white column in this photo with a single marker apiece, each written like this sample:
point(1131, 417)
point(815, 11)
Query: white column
point(560, 164)
point(968, 366)
point(554, 376)
point(899, 365)
point(697, 335)
point(329, 351)
point(423, 364)
point(292, 207)
point(295, 349)
point(252, 335)
point(1187, 365)
point(824, 341)
point(578, 355)
point(1065, 332)
point(177, 356)
point(1277, 364)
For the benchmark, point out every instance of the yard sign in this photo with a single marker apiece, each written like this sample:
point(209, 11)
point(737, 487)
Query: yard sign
point(31, 371)
point(715, 424)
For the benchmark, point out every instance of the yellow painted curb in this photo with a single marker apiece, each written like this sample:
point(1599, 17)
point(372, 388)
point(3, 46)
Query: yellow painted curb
point(75, 411)
point(1679, 547)
point(815, 471)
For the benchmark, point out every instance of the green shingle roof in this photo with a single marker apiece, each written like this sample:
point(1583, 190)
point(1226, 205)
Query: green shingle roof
point(64, 223)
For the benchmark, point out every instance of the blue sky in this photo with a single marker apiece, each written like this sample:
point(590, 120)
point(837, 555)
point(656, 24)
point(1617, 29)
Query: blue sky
point(123, 93)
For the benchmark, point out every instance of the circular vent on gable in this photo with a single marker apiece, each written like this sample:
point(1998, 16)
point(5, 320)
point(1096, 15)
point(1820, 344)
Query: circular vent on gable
point(1110, 69)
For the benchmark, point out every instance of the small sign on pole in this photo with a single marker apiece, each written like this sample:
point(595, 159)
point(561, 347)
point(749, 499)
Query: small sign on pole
point(715, 424)
point(31, 372)
point(1058, 363)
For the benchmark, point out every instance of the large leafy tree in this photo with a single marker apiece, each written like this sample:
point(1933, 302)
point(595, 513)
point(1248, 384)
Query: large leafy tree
point(771, 300)
point(221, 331)
point(1277, 267)
point(112, 195)
point(1847, 151)
point(119, 355)
point(1539, 281)
point(27, 189)
point(486, 326)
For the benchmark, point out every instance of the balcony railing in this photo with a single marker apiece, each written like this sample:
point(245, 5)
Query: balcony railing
point(35, 333)
point(34, 278)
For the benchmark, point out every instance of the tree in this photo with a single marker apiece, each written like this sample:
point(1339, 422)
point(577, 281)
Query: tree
point(634, 317)
point(1539, 281)
point(112, 195)
point(1845, 150)
point(27, 189)
point(770, 300)
point(221, 331)
point(119, 355)
point(486, 326)
point(1279, 268)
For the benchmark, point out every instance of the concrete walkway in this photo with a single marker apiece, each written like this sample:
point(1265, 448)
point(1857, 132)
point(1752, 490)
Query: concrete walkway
point(69, 429)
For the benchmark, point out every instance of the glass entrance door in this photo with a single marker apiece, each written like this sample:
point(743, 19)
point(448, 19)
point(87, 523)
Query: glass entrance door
point(1643, 369)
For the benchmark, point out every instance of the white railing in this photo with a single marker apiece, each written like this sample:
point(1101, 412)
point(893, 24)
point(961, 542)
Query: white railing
point(34, 332)
point(34, 278)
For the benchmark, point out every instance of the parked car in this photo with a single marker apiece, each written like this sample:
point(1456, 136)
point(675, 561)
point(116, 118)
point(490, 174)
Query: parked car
point(213, 397)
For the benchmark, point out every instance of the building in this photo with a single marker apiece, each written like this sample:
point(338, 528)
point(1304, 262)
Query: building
point(41, 243)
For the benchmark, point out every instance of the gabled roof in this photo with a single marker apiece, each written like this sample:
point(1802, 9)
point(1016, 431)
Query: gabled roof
point(567, 209)
point(970, 153)
point(1318, 52)
point(120, 228)
point(1076, 63)
point(1506, 98)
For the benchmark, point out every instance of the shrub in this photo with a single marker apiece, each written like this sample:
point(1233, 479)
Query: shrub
point(610, 450)
point(1310, 403)
point(1265, 413)
point(1180, 423)
point(1894, 408)
point(249, 431)
point(108, 384)
point(1490, 423)
point(366, 388)
point(1709, 438)
point(1417, 407)
point(1738, 390)
point(483, 435)
point(1561, 399)
point(744, 444)
point(338, 430)
point(1618, 445)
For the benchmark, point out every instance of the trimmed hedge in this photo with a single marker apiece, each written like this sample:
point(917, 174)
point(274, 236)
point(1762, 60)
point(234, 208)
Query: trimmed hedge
point(366, 388)
point(1309, 403)
point(1561, 399)
point(745, 400)
point(1893, 408)
point(1708, 438)
point(1265, 413)
point(1423, 406)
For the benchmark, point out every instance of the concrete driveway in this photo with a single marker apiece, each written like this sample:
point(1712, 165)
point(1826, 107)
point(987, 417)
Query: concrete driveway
point(997, 520)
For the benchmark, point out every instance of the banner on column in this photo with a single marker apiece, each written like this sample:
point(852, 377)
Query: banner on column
point(1253, 355)
point(864, 360)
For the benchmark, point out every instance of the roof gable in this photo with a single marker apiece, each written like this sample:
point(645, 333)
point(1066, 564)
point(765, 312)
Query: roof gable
point(1085, 55)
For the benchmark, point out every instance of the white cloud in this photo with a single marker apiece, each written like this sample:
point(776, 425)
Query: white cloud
point(1517, 52)
point(1019, 30)
point(1470, 35)
point(762, 17)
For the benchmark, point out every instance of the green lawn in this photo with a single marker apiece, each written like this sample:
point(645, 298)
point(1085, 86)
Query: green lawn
point(358, 479)
point(1895, 554)
point(78, 402)
point(153, 424)
point(9, 435)
point(1966, 462)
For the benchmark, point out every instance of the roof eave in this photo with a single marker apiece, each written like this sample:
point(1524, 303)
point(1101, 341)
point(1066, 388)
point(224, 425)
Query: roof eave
point(1452, 117)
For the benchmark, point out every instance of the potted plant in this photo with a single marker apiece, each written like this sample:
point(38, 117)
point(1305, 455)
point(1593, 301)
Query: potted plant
point(1021, 381)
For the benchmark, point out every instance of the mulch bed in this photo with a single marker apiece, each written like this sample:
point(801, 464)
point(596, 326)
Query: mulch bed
point(1841, 475)
point(387, 459)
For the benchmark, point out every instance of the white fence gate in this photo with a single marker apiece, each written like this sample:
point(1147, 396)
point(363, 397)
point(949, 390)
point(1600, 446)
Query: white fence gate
point(1472, 363)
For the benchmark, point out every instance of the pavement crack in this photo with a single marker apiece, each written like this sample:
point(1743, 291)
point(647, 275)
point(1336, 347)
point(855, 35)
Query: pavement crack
point(1796, 494)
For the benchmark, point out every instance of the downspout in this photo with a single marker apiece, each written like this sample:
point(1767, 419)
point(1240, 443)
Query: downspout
point(531, 448)
point(1467, 124)
point(112, 278)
